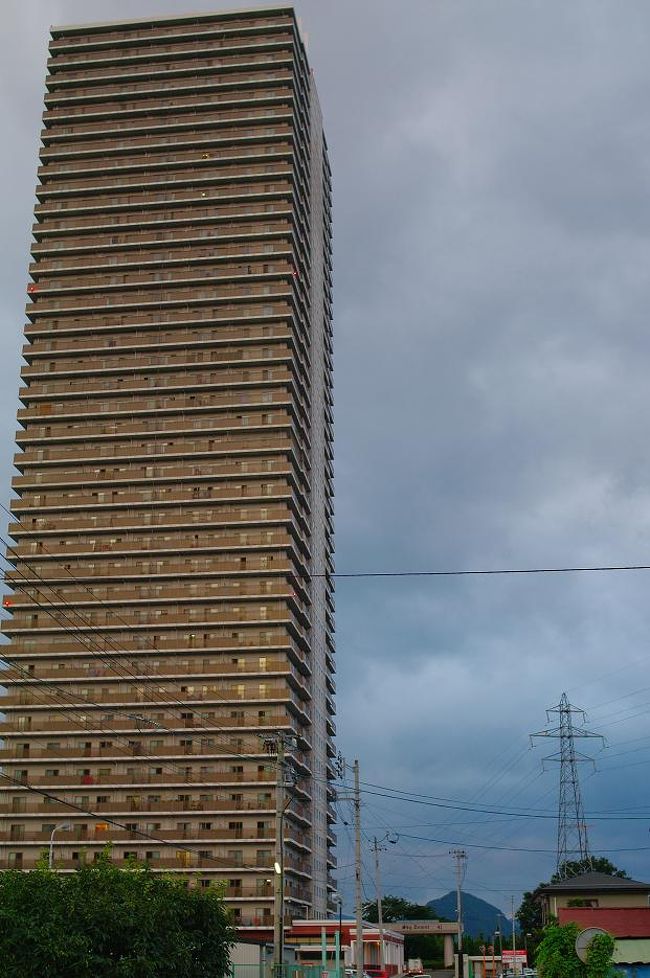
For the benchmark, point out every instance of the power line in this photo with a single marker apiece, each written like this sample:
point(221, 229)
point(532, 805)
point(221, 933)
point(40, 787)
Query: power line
point(523, 813)
point(489, 572)
point(552, 852)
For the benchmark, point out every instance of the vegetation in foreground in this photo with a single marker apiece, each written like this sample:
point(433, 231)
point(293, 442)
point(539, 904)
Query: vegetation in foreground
point(106, 922)
point(557, 958)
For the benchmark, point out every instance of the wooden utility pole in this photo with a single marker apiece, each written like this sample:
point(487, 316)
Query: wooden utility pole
point(278, 875)
point(461, 857)
point(377, 848)
point(357, 871)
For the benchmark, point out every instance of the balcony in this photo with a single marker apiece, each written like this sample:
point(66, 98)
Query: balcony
point(206, 44)
point(178, 28)
point(166, 496)
point(247, 227)
point(169, 806)
point(276, 353)
point(208, 514)
point(208, 139)
point(157, 160)
point(194, 669)
point(94, 723)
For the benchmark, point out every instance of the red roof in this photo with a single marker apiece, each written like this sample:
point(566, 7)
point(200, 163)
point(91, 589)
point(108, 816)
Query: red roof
point(617, 921)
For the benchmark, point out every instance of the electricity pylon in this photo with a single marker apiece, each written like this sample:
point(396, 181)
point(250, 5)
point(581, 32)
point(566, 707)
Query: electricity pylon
point(572, 840)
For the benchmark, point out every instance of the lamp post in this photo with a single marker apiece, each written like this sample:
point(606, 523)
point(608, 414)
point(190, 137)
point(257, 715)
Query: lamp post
point(61, 825)
point(497, 934)
point(338, 900)
point(278, 869)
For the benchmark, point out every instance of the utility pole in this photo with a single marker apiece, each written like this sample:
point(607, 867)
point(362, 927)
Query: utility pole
point(278, 876)
point(461, 867)
point(377, 847)
point(514, 939)
point(380, 917)
point(342, 766)
point(572, 838)
point(276, 744)
point(357, 871)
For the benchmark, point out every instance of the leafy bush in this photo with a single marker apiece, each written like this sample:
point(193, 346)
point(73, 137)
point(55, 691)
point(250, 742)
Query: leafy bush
point(556, 954)
point(107, 922)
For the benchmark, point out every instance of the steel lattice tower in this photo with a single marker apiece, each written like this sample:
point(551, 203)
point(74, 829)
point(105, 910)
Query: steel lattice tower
point(572, 840)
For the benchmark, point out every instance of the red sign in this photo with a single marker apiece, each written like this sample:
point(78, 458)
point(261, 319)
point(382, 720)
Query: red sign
point(509, 956)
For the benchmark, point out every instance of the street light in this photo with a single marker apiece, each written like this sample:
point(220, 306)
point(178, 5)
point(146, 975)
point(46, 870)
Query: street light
point(62, 826)
point(497, 934)
point(338, 899)
point(278, 907)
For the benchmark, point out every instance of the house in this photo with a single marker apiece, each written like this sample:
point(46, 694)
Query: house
point(621, 907)
point(595, 890)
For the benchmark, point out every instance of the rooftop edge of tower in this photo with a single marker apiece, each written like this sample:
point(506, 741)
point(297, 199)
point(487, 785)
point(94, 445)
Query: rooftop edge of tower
point(195, 17)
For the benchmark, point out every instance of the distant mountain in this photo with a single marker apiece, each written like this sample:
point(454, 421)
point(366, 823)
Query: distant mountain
point(479, 917)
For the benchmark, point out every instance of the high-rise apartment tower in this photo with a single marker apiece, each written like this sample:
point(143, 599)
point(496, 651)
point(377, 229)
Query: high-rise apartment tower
point(171, 593)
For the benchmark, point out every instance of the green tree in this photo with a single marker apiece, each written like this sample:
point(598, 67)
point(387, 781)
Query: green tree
point(600, 953)
point(556, 954)
point(396, 908)
point(594, 864)
point(107, 922)
point(529, 914)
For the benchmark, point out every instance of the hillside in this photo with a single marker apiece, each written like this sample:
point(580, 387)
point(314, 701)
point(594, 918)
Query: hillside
point(479, 916)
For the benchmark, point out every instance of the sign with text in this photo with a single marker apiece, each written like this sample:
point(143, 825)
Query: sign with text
point(423, 926)
point(513, 957)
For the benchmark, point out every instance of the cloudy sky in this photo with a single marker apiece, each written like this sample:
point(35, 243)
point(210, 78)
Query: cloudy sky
point(491, 167)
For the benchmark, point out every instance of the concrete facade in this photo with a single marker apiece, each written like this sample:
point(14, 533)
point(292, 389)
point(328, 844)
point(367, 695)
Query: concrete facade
point(171, 592)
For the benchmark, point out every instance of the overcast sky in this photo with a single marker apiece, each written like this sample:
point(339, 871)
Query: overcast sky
point(492, 250)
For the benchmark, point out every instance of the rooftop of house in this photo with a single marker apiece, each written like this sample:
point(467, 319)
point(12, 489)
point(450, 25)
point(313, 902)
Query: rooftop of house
point(595, 882)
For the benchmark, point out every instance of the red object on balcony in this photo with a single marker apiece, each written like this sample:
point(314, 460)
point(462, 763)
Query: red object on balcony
point(87, 779)
point(32, 287)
